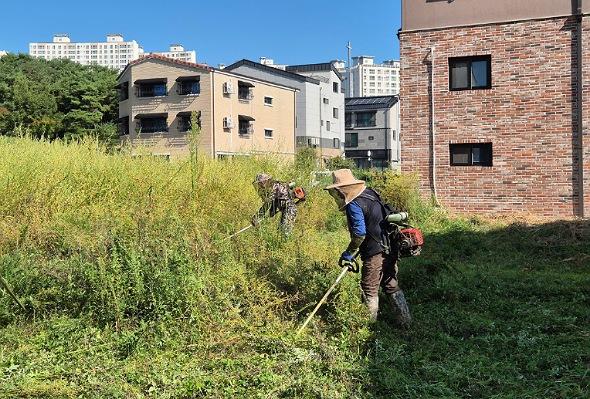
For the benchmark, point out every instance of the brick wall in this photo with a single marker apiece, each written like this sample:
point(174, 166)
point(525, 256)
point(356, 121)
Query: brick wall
point(528, 115)
point(586, 114)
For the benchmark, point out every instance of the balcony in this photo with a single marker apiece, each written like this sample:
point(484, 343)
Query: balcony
point(188, 85)
point(184, 123)
point(151, 123)
point(151, 87)
point(245, 125)
point(245, 91)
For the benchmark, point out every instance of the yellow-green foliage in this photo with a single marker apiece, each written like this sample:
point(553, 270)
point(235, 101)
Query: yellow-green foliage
point(131, 291)
point(129, 236)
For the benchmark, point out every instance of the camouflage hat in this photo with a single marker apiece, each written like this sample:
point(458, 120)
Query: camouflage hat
point(262, 178)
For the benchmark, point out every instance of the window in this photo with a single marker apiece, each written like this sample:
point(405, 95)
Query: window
point(268, 133)
point(184, 121)
point(366, 119)
point(245, 127)
point(326, 100)
point(470, 73)
point(245, 91)
point(335, 87)
point(153, 125)
point(328, 125)
point(476, 154)
point(123, 89)
point(348, 119)
point(371, 138)
point(188, 86)
point(268, 100)
point(156, 89)
point(336, 143)
point(124, 126)
point(335, 113)
point(351, 140)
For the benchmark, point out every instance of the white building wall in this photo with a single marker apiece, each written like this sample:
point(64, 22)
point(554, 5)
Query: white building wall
point(370, 79)
point(114, 53)
point(320, 108)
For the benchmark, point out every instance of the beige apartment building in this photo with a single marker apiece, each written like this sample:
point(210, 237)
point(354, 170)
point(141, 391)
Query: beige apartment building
point(238, 115)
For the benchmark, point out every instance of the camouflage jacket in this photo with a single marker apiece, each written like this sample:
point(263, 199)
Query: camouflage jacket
point(276, 199)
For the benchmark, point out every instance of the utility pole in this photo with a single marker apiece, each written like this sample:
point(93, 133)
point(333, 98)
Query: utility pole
point(349, 47)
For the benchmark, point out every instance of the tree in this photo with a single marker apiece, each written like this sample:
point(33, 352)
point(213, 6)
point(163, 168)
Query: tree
point(56, 99)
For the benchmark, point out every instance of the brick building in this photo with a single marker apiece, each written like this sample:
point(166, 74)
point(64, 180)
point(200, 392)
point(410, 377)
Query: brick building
point(492, 113)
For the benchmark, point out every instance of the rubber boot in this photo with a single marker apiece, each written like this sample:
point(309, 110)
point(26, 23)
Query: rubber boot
point(373, 306)
point(400, 306)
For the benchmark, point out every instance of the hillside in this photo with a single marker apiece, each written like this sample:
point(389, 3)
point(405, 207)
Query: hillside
point(131, 290)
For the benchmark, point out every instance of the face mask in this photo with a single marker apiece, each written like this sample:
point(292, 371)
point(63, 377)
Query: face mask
point(338, 197)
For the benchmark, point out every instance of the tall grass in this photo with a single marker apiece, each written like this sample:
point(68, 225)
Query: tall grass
point(132, 289)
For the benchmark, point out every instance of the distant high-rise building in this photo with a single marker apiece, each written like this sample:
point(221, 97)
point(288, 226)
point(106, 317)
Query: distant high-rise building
point(370, 79)
point(177, 52)
point(115, 53)
point(271, 63)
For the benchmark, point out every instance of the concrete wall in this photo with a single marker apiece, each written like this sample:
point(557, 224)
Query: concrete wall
point(304, 91)
point(310, 107)
point(385, 134)
point(428, 14)
point(529, 116)
point(319, 113)
point(280, 117)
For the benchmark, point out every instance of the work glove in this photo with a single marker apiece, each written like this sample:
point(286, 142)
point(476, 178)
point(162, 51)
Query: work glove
point(347, 259)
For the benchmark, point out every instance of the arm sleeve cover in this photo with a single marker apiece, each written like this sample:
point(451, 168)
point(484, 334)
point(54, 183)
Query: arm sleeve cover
point(356, 220)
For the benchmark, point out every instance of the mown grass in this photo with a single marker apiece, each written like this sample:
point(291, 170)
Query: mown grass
point(131, 291)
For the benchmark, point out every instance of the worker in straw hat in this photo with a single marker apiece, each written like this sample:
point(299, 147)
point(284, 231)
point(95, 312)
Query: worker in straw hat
point(276, 197)
point(364, 213)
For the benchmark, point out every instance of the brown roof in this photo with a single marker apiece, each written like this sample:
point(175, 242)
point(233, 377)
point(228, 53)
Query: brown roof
point(165, 59)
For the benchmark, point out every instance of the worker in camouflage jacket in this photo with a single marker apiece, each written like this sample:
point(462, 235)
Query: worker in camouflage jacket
point(365, 213)
point(276, 197)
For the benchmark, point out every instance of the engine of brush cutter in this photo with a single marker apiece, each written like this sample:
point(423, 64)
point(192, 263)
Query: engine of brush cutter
point(410, 242)
point(406, 239)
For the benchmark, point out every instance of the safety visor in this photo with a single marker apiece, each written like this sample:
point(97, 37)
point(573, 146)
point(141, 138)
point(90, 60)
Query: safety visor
point(338, 195)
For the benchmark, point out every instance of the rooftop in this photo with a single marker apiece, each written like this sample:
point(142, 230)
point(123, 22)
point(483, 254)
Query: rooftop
point(376, 102)
point(275, 71)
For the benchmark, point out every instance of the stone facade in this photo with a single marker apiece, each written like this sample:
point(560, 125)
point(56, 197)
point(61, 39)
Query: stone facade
point(529, 115)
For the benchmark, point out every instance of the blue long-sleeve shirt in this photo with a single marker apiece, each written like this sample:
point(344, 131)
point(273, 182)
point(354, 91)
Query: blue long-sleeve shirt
point(356, 219)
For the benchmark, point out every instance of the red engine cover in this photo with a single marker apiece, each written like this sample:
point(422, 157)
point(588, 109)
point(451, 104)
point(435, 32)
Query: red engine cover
point(415, 235)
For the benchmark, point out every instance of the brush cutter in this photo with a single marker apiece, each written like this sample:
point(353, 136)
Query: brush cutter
point(238, 232)
point(7, 288)
point(347, 266)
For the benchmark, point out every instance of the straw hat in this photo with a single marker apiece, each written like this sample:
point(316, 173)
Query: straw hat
point(345, 182)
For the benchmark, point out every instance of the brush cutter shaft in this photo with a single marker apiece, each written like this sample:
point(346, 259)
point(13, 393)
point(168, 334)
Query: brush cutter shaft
point(320, 303)
point(238, 232)
point(7, 288)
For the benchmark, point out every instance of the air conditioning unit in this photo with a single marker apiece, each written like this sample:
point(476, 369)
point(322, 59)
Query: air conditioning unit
point(228, 123)
point(228, 88)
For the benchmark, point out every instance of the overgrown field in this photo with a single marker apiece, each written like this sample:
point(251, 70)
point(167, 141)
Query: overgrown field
point(131, 290)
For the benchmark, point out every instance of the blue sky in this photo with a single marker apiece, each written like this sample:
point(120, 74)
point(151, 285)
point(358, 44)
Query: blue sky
point(290, 32)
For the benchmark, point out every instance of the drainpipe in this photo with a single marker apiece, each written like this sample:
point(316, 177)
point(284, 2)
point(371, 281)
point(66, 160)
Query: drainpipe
point(321, 101)
point(213, 113)
point(580, 105)
point(398, 139)
point(432, 129)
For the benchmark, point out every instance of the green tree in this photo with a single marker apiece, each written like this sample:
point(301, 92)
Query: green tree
point(56, 99)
